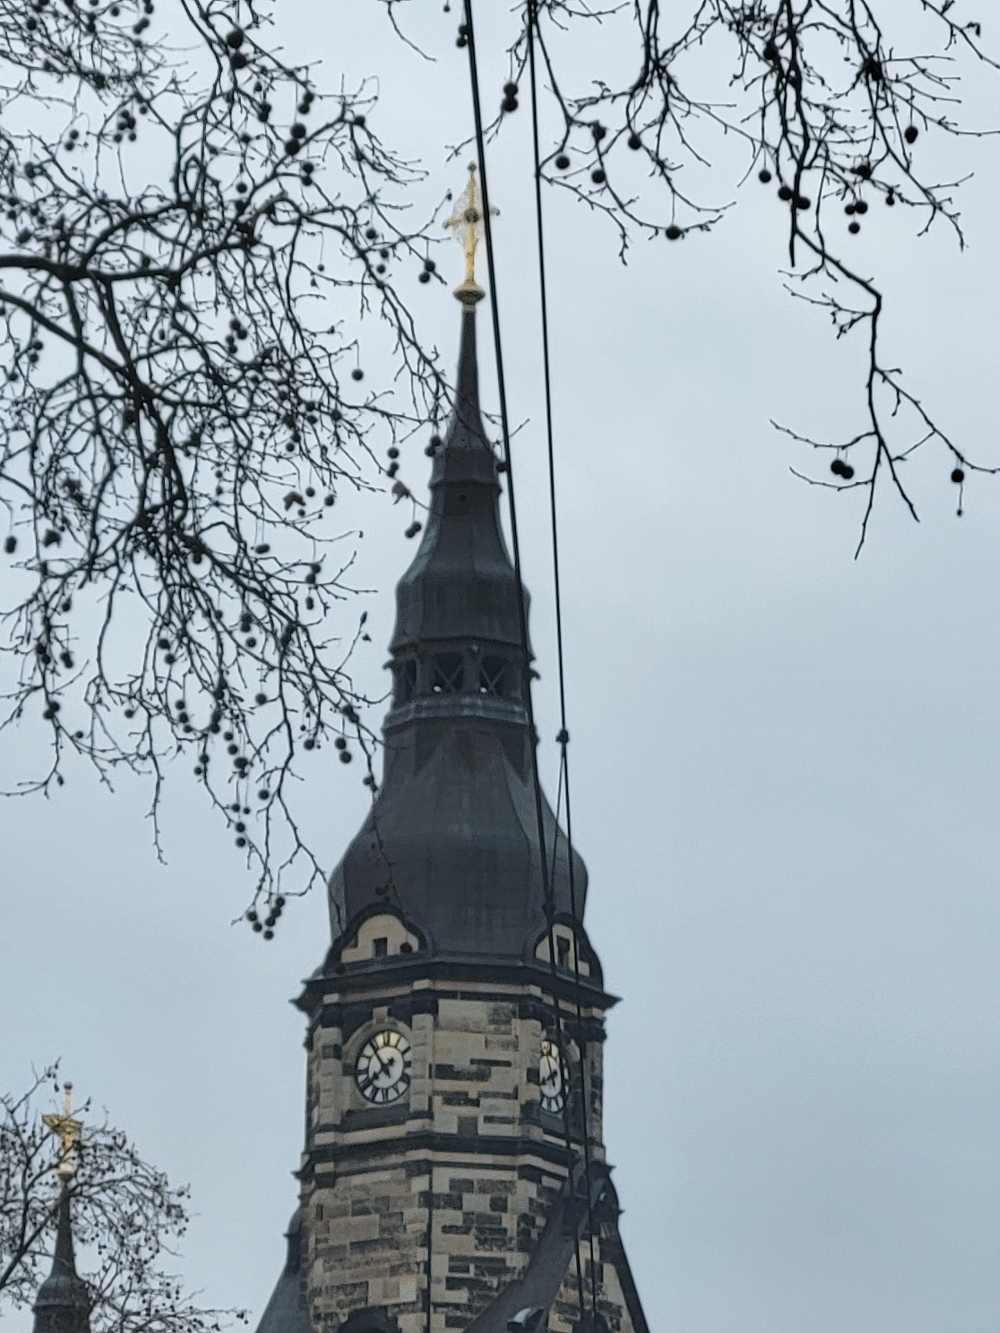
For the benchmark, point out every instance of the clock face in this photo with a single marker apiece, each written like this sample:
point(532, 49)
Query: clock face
point(550, 1077)
point(383, 1067)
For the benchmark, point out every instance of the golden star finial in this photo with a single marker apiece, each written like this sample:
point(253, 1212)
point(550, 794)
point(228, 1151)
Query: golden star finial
point(67, 1130)
point(467, 224)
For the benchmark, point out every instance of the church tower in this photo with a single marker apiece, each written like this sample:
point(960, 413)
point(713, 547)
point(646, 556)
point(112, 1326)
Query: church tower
point(454, 1174)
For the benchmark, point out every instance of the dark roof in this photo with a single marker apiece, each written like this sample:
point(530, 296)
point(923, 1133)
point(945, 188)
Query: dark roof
point(286, 1311)
point(451, 840)
point(63, 1302)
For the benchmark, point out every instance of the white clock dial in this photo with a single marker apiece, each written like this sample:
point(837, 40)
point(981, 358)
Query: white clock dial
point(382, 1071)
point(550, 1077)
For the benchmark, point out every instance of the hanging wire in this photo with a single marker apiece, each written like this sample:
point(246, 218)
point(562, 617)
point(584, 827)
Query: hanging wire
point(523, 626)
point(563, 736)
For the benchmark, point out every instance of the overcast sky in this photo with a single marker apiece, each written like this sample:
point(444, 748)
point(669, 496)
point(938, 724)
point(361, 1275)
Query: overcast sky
point(785, 767)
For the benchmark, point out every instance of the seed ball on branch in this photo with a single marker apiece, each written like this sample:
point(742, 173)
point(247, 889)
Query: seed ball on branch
point(371, 233)
point(850, 209)
point(292, 146)
point(958, 476)
point(910, 133)
point(509, 104)
point(346, 756)
point(598, 176)
point(785, 193)
point(634, 142)
point(10, 545)
point(861, 207)
point(424, 276)
point(357, 373)
point(854, 228)
point(340, 743)
point(510, 90)
point(848, 472)
point(235, 39)
point(673, 233)
point(413, 529)
point(837, 467)
point(298, 130)
point(236, 61)
point(562, 161)
point(764, 176)
point(803, 203)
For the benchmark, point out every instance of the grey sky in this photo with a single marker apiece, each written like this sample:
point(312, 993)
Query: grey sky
point(785, 769)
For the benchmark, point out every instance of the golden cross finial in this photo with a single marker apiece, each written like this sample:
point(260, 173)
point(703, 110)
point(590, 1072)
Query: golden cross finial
point(67, 1130)
point(467, 224)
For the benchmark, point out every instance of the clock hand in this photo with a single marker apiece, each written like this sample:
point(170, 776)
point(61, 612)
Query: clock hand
point(385, 1068)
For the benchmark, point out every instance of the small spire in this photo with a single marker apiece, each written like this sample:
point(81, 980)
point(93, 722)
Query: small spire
point(467, 224)
point(63, 1302)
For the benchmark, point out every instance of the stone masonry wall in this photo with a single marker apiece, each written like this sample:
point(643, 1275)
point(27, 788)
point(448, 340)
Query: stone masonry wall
point(466, 1167)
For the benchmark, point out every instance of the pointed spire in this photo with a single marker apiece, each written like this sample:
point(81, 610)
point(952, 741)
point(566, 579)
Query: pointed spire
point(63, 1302)
point(467, 455)
point(452, 839)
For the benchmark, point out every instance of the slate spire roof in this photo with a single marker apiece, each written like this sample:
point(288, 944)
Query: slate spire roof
point(63, 1303)
point(286, 1311)
point(451, 841)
